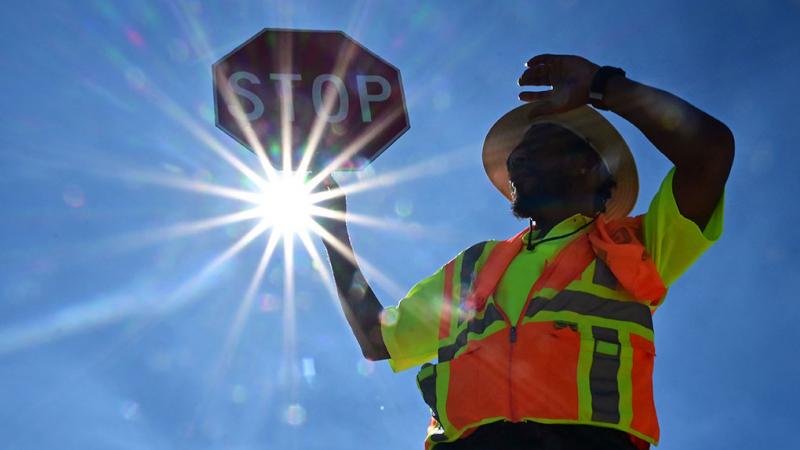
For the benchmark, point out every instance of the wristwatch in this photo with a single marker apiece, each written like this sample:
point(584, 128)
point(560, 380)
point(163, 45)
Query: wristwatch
point(597, 90)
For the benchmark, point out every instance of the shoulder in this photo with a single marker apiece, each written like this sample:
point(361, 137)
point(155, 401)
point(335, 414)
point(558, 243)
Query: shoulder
point(473, 251)
point(673, 240)
point(469, 260)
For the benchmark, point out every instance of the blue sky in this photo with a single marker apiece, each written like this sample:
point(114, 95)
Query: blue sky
point(106, 342)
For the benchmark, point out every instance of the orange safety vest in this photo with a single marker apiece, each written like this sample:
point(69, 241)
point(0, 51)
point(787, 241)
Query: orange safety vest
point(581, 351)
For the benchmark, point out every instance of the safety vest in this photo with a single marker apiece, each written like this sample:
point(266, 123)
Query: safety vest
point(581, 351)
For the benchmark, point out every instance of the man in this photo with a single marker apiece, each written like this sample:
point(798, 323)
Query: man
point(545, 341)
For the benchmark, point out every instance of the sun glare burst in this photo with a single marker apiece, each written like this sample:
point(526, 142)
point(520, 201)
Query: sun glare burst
point(286, 203)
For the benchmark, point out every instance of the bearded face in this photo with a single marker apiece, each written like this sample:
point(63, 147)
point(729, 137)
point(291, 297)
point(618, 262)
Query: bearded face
point(555, 173)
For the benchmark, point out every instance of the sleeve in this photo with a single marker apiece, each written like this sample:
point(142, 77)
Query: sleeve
point(674, 241)
point(411, 329)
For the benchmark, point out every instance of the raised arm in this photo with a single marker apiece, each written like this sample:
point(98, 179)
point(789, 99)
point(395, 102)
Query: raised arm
point(700, 146)
point(359, 303)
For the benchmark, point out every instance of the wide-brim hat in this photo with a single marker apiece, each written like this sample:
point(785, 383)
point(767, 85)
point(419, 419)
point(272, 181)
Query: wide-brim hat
point(585, 122)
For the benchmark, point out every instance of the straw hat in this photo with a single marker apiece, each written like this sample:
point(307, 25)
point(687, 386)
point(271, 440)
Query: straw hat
point(588, 124)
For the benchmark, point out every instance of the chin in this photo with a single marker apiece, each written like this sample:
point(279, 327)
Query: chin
point(544, 207)
point(531, 207)
point(520, 213)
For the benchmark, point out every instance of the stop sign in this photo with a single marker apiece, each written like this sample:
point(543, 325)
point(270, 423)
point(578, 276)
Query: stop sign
point(318, 90)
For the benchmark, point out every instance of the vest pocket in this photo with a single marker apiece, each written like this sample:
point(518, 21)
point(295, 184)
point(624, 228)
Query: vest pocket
point(644, 410)
point(545, 371)
point(478, 382)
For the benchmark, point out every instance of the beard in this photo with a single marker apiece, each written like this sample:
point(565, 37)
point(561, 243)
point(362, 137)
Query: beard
point(529, 206)
point(535, 202)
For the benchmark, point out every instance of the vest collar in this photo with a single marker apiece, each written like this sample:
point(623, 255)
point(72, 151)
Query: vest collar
point(566, 226)
point(614, 242)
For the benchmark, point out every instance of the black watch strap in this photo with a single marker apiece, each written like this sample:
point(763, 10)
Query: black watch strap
point(597, 90)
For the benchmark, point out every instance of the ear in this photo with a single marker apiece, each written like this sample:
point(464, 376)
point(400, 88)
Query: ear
point(513, 191)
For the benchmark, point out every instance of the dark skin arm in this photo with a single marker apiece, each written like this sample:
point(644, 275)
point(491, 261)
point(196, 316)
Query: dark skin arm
point(700, 146)
point(361, 307)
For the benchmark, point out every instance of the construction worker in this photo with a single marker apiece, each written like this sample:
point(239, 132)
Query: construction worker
point(545, 340)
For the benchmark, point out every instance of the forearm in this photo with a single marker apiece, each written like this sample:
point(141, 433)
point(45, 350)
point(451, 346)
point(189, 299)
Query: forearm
point(359, 303)
point(687, 136)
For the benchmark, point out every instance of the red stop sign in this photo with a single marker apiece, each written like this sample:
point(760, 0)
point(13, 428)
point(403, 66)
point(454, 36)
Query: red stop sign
point(322, 87)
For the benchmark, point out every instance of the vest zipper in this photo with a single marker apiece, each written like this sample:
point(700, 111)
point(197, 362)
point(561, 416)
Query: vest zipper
point(512, 338)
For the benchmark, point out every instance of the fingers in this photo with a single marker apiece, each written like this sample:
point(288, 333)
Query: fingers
point(544, 58)
point(542, 102)
point(538, 75)
point(549, 70)
point(540, 96)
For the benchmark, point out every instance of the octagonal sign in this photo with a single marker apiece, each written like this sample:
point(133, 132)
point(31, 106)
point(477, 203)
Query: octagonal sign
point(318, 90)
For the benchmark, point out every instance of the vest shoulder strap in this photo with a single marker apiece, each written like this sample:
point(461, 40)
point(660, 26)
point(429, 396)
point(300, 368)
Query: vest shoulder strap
point(489, 276)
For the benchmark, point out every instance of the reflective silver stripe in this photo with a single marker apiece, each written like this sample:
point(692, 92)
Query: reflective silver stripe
point(477, 326)
point(603, 377)
point(592, 305)
point(471, 256)
point(603, 275)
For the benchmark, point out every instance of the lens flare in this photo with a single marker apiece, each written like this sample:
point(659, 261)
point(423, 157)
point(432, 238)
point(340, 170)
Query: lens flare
point(285, 203)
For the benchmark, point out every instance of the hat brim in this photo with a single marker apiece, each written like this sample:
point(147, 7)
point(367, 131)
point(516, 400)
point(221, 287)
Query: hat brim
point(584, 121)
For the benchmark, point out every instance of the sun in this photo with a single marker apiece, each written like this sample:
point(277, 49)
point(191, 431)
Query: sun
point(286, 203)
